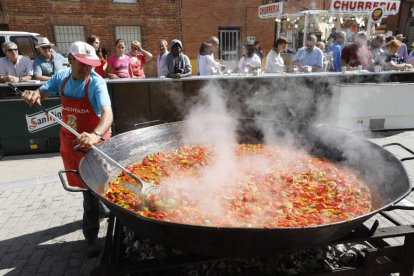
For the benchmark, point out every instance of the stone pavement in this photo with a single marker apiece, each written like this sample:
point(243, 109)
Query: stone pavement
point(40, 222)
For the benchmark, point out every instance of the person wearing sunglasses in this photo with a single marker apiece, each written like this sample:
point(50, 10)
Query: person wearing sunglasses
point(138, 57)
point(14, 67)
point(48, 62)
point(309, 58)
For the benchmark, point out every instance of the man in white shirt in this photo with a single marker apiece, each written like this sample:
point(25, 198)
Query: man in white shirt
point(163, 52)
point(14, 67)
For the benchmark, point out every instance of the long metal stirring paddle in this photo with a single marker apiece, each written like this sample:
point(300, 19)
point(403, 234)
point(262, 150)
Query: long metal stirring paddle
point(146, 187)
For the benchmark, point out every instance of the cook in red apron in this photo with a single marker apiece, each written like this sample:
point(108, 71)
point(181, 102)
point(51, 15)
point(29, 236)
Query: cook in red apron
point(79, 114)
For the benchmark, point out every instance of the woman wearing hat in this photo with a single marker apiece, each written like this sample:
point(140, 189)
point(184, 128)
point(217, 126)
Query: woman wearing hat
point(48, 62)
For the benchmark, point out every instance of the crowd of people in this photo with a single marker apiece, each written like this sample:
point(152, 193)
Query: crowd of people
point(360, 53)
point(339, 53)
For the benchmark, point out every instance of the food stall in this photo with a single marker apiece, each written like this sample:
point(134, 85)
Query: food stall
point(348, 15)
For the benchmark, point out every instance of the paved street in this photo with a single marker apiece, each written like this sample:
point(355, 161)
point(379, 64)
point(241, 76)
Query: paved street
point(40, 223)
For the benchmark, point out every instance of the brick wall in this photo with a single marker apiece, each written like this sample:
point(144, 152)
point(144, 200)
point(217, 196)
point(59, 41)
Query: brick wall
point(157, 19)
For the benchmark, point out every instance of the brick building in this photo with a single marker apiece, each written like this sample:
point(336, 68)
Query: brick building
point(234, 22)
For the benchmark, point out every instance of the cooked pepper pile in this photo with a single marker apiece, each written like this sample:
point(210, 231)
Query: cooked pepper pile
point(271, 187)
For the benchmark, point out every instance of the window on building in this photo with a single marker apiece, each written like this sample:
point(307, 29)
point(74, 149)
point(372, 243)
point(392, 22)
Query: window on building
point(66, 35)
point(129, 34)
point(229, 43)
point(125, 1)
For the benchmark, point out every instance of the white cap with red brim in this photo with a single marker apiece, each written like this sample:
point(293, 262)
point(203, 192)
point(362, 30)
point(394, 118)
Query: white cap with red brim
point(84, 53)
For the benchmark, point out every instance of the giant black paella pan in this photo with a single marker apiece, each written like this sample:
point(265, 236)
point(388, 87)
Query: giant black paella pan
point(382, 172)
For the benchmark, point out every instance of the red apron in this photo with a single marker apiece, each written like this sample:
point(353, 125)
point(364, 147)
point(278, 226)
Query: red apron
point(79, 114)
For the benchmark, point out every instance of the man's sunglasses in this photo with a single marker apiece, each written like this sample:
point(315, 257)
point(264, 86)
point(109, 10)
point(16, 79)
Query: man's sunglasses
point(46, 48)
point(134, 48)
point(12, 50)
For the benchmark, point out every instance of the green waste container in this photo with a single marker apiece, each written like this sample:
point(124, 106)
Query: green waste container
point(27, 130)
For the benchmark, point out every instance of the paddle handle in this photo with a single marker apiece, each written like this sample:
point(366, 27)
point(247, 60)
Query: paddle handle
point(74, 132)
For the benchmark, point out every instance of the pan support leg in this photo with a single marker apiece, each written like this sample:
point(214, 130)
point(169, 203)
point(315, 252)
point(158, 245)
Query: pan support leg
point(408, 256)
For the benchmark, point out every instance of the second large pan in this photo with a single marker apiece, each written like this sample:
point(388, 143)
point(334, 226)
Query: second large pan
point(383, 173)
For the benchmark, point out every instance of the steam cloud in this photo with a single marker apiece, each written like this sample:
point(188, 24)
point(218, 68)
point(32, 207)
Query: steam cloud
point(213, 120)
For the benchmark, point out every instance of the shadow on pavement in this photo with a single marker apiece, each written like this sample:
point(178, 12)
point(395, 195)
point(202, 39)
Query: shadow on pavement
point(47, 252)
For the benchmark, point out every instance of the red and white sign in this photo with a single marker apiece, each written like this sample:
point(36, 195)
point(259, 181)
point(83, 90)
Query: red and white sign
point(40, 120)
point(270, 10)
point(364, 6)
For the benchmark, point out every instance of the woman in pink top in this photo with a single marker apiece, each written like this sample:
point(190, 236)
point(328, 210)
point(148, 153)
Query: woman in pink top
point(119, 64)
point(138, 57)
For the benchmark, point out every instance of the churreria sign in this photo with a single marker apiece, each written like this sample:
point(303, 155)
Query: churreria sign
point(270, 10)
point(364, 6)
point(40, 120)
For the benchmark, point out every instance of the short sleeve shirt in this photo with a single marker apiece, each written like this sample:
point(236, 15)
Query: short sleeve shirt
point(138, 65)
point(97, 91)
point(120, 65)
point(45, 68)
point(22, 68)
point(336, 50)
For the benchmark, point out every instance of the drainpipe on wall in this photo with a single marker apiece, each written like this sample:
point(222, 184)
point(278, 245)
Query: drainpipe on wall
point(181, 22)
point(399, 17)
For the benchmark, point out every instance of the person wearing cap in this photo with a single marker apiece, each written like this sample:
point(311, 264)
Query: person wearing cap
point(177, 63)
point(86, 107)
point(402, 51)
point(14, 67)
point(48, 62)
